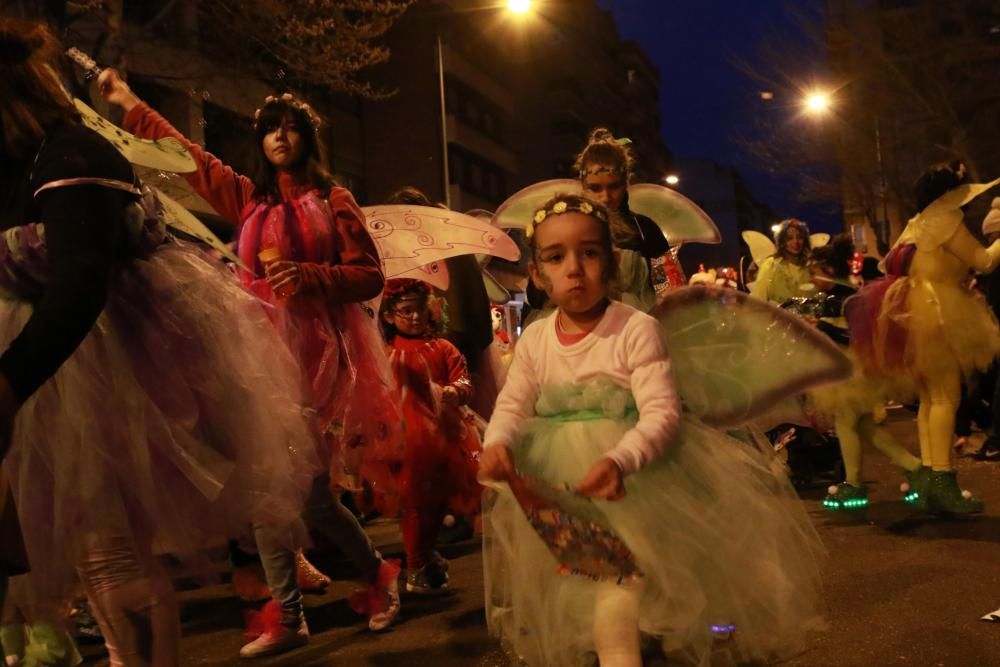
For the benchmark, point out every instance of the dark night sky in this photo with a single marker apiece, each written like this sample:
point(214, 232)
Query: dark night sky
point(707, 102)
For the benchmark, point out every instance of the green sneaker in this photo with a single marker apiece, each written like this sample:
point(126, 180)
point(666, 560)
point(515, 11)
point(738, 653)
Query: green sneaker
point(914, 489)
point(846, 497)
point(945, 496)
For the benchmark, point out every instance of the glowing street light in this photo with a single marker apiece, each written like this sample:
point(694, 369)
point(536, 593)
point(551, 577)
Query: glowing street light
point(519, 6)
point(817, 102)
point(671, 179)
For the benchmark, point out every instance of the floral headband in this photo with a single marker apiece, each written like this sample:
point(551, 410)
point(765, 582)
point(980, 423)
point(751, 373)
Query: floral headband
point(602, 169)
point(294, 102)
point(563, 206)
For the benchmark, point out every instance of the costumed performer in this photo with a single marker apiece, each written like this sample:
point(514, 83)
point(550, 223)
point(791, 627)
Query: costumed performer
point(604, 168)
point(590, 404)
point(311, 260)
point(923, 322)
point(782, 275)
point(440, 463)
point(146, 404)
point(851, 405)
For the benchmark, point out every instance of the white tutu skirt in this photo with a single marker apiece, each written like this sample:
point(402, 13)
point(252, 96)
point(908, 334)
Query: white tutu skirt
point(176, 420)
point(727, 556)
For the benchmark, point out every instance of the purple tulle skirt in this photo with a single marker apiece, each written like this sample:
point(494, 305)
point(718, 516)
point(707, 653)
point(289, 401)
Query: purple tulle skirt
point(177, 420)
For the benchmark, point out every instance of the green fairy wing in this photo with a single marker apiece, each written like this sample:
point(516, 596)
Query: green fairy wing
point(735, 357)
point(517, 210)
point(679, 218)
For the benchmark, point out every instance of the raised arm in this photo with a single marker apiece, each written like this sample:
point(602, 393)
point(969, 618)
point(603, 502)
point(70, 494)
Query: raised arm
point(227, 191)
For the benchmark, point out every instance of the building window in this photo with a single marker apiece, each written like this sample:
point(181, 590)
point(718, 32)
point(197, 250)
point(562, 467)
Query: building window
point(473, 108)
point(476, 175)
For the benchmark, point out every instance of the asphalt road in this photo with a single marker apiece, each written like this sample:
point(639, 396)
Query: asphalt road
point(901, 590)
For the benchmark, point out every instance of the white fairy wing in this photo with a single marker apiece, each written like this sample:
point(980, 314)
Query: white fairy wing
point(760, 246)
point(167, 154)
point(518, 209)
point(434, 273)
point(182, 220)
point(680, 219)
point(734, 357)
point(408, 237)
point(819, 239)
point(959, 197)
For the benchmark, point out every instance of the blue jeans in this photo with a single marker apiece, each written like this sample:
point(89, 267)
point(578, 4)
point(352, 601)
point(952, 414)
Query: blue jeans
point(277, 549)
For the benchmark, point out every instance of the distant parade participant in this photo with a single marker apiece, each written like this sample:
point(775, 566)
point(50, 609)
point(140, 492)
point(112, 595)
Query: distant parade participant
point(309, 257)
point(782, 276)
point(604, 168)
point(146, 404)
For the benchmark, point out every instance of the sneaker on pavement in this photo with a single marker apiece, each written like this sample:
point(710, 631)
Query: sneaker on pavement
point(278, 639)
point(381, 620)
point(428, 579)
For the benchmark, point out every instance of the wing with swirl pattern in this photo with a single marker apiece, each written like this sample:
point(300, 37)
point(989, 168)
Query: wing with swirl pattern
point(410, 237)
point(734, 357)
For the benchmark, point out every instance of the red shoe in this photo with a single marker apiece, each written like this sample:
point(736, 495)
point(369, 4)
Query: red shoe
point(310, 579)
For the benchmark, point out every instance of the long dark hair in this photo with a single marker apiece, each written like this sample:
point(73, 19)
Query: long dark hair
point(312, 164)
point(33, 100)
point(782, 240)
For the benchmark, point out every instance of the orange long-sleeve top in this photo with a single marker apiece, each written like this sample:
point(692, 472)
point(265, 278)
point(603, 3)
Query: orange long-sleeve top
point(338, 259)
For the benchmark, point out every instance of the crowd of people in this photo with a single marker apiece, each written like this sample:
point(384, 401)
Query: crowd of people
point(155, 401)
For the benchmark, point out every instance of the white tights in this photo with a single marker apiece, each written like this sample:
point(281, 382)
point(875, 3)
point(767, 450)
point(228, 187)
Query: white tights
point(133, 601)
point(616, 624)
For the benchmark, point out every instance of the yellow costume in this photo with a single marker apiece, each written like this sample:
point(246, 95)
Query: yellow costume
point(934, 329)
point(779, 280)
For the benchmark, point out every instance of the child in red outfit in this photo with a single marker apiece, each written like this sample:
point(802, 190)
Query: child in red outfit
point(441, 442)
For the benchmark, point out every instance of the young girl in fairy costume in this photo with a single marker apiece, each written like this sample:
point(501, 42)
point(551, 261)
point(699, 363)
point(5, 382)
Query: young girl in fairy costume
point(716, 536)
point(311, 260)
point(782, 276)
point(923, 323)
point(442, 443)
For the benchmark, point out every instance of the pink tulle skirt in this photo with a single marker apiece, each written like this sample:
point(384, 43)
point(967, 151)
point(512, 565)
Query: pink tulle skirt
point(177, 420)
point(347, 382)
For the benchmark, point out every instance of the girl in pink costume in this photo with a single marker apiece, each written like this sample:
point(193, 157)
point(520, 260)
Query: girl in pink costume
point(327, 266)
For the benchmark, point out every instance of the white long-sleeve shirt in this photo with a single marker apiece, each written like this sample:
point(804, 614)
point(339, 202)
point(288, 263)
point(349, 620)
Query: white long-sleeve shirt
point(627, 348)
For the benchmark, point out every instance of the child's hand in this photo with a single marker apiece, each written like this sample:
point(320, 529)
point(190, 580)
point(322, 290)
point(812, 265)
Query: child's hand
point(495, 464)
point(449, 396)
point(603, 481)
point(116, 91)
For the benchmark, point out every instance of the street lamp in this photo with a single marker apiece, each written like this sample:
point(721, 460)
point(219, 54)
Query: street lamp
point(671, 179)
point(817, 102)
